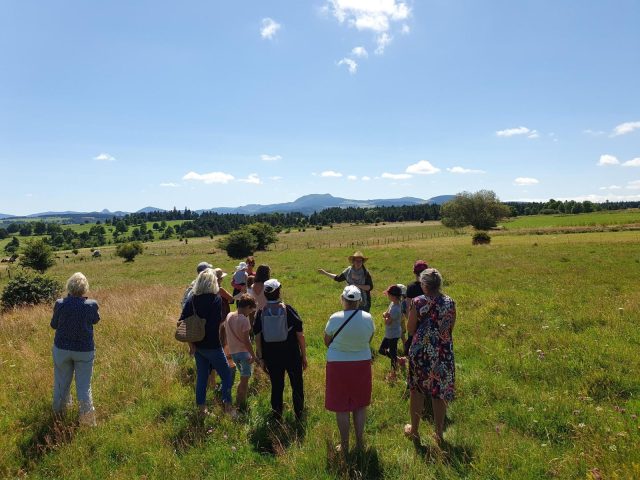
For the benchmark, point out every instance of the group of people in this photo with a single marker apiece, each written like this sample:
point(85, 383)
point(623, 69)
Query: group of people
point(264, 330)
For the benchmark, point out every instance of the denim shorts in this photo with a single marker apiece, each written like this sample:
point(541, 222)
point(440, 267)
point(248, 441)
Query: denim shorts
point(241, 359)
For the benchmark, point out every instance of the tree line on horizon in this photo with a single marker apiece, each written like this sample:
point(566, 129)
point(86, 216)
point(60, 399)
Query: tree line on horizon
point(133, 227)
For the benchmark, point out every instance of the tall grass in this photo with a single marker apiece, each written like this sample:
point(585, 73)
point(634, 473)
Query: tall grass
point(547, 361)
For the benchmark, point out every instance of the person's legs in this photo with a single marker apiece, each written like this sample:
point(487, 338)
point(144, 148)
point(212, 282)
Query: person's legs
point(62, 376)
point(439, 412)
point(83, 365)
point(241, 360)
point(276, 376)
point(393, 352)
point(416, 404)
point(219, 361)
point(343, 427)
point(202, 376)
point(359, 419)
point(297, 386)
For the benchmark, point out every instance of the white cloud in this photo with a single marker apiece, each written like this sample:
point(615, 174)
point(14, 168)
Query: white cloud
point(209, 178)
point(464, 170)
point(632, 163)
point(352, 177)
point(396, 176)
point(635, 185)
point(423, 167)
point(28, 195)
point(269, 28)
point(593, 133)
point(382, 41)
point(611, 187)
point(510, 132)
point(170, 185)
point(524, 181)
point(607, 160)
point(625, 128)
point(104, 157)
point(373, 15)
point(275, 178)
point(366, 179)
point(252, 178)
point(534, 134)
point(351, 65)
point(330, 173)
point(406, 29)
point(270, 158)
point(360, 52)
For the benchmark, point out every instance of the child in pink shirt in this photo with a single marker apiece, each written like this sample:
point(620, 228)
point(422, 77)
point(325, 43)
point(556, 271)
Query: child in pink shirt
point(238, 328)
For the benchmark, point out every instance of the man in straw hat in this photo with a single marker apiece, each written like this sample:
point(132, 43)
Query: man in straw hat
point(357, 275)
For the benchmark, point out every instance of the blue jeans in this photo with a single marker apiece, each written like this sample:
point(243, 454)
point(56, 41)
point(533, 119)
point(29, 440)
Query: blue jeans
point(218, 361)
point(65, 363)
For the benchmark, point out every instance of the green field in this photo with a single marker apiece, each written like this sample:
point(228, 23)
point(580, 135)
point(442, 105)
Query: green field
point(593, 219)
point(546, 346)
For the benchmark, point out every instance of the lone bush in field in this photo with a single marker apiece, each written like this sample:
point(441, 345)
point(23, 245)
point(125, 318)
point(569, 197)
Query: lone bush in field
point(38, 256)
point(481, 209)
point(239, 243)
point(12, 246)
point(264, 234)
point(481, 238)
point(25, 289)
point(129, 251)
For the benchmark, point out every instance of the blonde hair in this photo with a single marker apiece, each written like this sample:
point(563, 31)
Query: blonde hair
point(207, 282)
point(77, 285)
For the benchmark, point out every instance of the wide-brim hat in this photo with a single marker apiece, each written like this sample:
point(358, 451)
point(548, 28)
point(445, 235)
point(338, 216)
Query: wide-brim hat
point(357, 254)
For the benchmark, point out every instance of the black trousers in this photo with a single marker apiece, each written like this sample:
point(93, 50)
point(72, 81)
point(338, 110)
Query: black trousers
point(277, 368)
point(389, 347)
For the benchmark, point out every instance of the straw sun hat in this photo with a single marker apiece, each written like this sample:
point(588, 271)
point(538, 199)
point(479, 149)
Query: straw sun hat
point(358, 254)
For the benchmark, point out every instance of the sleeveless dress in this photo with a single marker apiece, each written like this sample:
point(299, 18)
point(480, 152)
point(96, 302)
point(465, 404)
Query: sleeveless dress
point(432, 371)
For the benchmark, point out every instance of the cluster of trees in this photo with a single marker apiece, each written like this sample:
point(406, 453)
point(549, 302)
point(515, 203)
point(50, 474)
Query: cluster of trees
point(567, 207)
point(248, 239)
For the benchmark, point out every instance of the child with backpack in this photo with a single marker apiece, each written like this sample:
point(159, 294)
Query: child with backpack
point(280, 348)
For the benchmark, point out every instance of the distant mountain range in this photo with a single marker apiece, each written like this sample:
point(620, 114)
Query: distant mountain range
point(316, 202)
point(306, 204)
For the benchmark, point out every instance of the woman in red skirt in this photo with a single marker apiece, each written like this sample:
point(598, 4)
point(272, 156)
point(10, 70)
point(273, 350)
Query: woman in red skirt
point(348, 383)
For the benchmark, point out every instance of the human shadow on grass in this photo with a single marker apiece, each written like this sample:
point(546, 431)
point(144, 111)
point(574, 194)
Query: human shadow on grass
point(272, 435)
point(45, 432)
point(458, 457)
point(190, 428)
point(357, 464)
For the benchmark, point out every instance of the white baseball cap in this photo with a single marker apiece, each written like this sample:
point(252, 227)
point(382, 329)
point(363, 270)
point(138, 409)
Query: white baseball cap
point(271, 285)
point(352, 293)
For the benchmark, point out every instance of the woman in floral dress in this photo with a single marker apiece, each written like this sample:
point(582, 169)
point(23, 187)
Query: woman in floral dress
point(431, 320)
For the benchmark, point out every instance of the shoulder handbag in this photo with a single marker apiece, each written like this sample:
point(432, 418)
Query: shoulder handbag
point(191, 329)
point(343, 325)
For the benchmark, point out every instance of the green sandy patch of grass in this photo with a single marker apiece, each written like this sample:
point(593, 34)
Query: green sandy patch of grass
point(594, 219)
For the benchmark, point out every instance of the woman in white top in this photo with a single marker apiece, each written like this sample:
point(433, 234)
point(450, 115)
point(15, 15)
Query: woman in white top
point(348, 374)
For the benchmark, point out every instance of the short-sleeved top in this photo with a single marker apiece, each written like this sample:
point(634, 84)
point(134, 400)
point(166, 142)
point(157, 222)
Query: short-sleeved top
point(237, 325)
point(240, 277)
point(73, 320)
point(348, 275)
point(394, 329)
point(290, 347)
point(352, 343)
point(208, 306)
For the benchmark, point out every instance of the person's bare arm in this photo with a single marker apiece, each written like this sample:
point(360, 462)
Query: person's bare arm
point(303, 349)
point(327, 339)
point(328, 274)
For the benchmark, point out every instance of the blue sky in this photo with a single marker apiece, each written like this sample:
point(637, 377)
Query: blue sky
point(125, 104)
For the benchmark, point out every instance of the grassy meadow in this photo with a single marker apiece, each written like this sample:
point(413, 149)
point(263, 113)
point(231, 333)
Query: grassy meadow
point(546, 346)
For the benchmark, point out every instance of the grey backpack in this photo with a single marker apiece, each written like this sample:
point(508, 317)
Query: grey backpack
point(274, 323)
